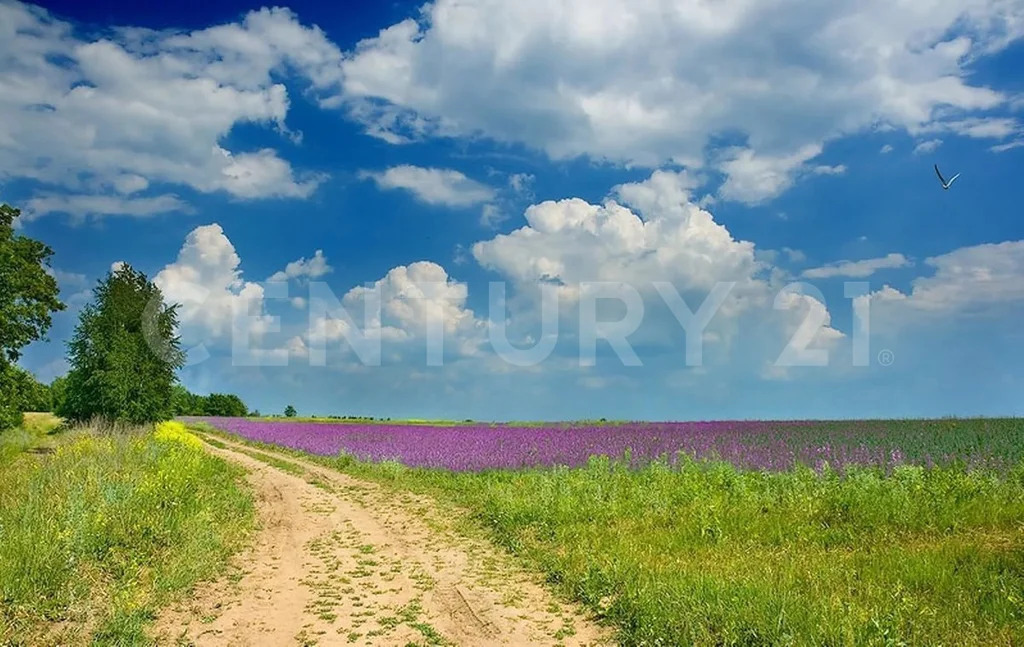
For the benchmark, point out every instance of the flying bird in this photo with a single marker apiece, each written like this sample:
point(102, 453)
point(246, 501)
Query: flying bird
point(945, 184)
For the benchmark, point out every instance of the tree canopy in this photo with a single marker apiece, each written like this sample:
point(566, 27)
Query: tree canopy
point(124, 353)
point(185, 403)
point(28, 297)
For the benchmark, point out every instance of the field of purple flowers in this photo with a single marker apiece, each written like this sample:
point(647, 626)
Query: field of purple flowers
point(772, 446)
point(915, 538)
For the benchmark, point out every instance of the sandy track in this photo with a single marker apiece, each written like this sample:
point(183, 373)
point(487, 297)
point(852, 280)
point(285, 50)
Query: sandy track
point(339, 561)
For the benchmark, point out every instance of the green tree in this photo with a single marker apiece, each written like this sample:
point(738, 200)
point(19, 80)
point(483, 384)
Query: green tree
point(36, 396)
point(290, 411)
point(186, 403)
point(23, 392)
point(124, 353)
point(58, 393)
point(28, 298)
point(220, 404)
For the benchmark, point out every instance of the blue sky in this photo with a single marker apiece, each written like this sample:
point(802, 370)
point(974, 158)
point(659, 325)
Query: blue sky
point(426, 151)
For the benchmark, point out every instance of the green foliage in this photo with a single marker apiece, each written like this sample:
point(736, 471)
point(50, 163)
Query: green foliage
point(124, 353)
point(111, 527)
point(28, 294)
point(290, 411)
point(58, 393)
point(20, 392)
point(185, 403)
point(35, 395)
point(28, 297)
point(220, 404)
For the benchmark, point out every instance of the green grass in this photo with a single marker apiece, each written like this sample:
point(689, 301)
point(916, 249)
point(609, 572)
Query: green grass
point(706, 554)
point(97, 536)
point(36, 431)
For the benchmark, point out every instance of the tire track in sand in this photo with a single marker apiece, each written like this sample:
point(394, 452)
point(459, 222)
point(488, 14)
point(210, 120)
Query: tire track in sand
point(340, 561)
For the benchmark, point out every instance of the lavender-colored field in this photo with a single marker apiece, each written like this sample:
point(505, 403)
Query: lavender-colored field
point(750, 445)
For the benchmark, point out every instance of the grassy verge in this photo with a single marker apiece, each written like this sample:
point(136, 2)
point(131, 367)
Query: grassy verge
point(706, 554)
point(36, 431)
point(96, 536)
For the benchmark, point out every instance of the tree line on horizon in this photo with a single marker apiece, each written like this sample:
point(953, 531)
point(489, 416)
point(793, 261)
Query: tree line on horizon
point(124, 354)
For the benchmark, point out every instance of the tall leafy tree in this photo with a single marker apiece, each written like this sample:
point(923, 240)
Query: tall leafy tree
point(28, 298)
point(290, 411)
point(124, 353)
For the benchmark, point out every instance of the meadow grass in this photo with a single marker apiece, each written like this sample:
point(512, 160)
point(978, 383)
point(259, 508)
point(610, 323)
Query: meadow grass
point(703, 553)
point(96, 536)
point(36, 430)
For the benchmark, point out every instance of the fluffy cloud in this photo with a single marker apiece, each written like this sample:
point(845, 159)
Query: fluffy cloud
point(313, 268)
point(206, 281)
point(647, 233)
point(433, 185)
point(753, 178)
point(109, 115)
point(403, 307)
point(857, 269)
point(625, 80)
point(929, 146)
point(571, 241)
point(969, 280)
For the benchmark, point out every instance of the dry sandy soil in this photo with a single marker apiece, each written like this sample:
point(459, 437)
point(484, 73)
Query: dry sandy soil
point(339, 561)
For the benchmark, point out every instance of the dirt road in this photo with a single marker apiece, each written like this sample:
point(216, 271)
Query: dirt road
point(338, 561)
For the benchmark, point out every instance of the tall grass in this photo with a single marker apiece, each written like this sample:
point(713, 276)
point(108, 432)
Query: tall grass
point(707, 554)
point(96, 536)
point(36, 430)
point(703, 553)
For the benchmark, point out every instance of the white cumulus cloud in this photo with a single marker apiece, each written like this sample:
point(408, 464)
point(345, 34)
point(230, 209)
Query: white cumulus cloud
point(435, 186)
point(630, 80)
point(112, 115)
point(969, 280)
point(312, 268)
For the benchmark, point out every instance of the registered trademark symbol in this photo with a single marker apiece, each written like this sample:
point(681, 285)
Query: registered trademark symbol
point(886, 357)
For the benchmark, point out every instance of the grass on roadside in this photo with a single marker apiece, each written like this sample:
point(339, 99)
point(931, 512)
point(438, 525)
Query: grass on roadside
point(36, 430)
point(706, 554)
point(95, 537)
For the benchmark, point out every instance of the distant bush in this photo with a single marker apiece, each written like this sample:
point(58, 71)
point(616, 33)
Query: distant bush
point(185, 403)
